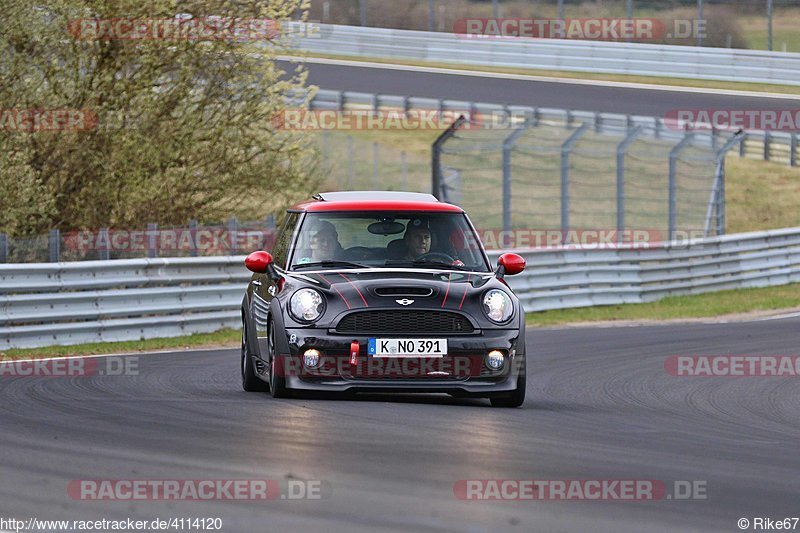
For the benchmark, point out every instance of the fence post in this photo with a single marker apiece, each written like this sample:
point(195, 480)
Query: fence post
point(436, 154)
point(717, 199)
point(152, 251)
point(700, 17)
point(54, 245)
point(3, 248)
point(233, 235)
point(508, 145)
point(621, 149)
point(673, 159)
point(565, 150)
point(105, 248)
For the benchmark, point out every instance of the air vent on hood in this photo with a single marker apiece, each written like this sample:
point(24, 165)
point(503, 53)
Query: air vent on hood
point(404, 291)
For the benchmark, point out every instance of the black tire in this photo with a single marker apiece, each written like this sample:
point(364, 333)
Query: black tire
point(277, 383)
point(250, 381)
point(516, 397)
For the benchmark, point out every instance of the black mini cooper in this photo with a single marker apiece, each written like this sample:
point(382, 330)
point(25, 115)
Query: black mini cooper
point(382, 292)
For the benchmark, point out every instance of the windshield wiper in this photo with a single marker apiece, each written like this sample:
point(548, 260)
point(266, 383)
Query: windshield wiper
point(329, 263)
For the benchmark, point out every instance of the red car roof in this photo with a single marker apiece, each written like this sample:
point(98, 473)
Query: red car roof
point(376, 201)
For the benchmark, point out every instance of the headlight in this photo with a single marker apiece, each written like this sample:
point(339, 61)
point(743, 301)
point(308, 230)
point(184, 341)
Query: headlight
point(306, 305)
point(497, 305)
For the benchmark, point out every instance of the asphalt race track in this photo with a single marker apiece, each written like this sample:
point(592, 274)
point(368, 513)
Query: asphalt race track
point(591, 97)
point(600, 407)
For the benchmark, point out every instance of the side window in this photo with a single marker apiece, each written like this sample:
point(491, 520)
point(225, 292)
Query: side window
point(280, 251)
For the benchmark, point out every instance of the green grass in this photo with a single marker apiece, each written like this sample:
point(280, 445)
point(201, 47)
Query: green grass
point(715, 304)
point(226, 337)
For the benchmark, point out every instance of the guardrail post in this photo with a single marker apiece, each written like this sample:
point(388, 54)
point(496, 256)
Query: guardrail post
point(350, 170)
point(404, 170)
point(743, 145)
point(436, 154)
point(3, 248)
point(672, 184)
point(375, 164)
point(54, 245)
point(375, 104)
point(152, 250)
point(598, 122)
point(621, 149)
point(233, 235)
point(767, 139)
point(508, 145)
point(339, 100)
point(792, 149)
point(565, 150)
point(105, 246)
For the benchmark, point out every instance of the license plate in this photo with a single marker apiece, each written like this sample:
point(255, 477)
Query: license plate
point(407, 347)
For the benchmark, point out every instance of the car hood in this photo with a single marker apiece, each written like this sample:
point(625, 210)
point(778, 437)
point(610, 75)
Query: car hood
point(351, 290)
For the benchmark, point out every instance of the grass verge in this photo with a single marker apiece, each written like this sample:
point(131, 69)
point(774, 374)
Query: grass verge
point(226, 337)
point(716, 304)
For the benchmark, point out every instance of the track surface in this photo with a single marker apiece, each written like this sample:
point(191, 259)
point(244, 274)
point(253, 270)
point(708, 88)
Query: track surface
point(600, 406)
point(532, 93)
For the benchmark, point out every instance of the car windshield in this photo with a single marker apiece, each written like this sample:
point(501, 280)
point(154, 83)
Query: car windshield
point(387, 239)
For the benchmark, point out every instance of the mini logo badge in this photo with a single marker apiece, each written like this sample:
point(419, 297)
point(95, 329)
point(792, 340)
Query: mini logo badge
point(405, 301)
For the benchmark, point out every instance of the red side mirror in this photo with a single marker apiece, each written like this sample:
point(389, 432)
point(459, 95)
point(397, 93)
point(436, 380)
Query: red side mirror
point(258, 262)
point(511, 263)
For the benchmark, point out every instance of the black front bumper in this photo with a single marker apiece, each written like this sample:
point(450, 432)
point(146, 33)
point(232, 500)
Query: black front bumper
point(461, 371)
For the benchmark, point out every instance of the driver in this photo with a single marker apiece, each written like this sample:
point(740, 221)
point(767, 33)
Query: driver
point(417, 238)
point(324, 243)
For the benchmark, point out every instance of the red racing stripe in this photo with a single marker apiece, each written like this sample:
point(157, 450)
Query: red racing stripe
point(466, 289)
point(356, 288)
point(337, 290)
point(447, 291)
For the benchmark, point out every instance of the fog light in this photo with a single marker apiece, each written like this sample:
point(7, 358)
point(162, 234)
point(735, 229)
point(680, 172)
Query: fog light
point(311, 357)
point(494, 359)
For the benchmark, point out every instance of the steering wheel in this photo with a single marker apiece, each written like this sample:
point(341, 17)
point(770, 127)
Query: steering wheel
point(436, 256)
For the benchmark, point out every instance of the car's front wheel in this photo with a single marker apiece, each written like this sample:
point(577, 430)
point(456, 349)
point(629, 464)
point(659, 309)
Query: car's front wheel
point(277, 378)
point(250, 381)
point(516, 397)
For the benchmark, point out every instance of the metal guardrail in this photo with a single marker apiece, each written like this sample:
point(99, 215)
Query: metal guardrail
point(100, 301)
point(71, 303)
point(779, 146)
point(557, 54)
